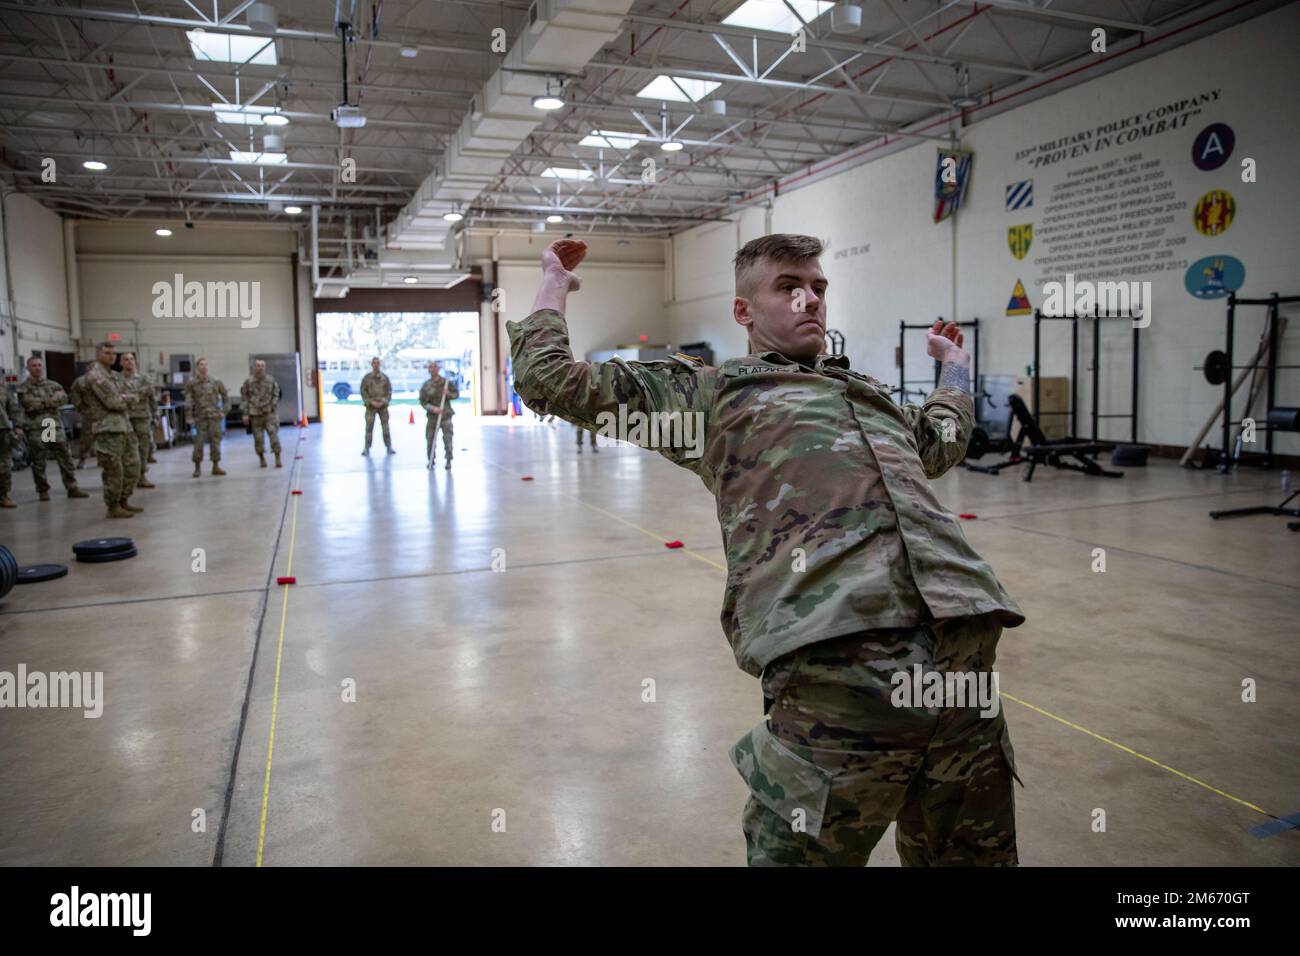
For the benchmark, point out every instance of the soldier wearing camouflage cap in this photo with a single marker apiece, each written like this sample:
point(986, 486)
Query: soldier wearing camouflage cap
point(436, 395)
point(11, 421)
point(376, 392)
point(141, 412)
point(259, 399)
point(109, 400)
point(206, 404)
point(41, 400)
point(843, 569)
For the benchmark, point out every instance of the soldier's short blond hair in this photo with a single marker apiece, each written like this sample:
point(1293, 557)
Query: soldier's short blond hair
point(106, 344)
point(778, 247)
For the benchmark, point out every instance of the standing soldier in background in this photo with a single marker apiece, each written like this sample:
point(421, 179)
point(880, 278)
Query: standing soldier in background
point(86, 433)
point(376, 392)
point(41, 400)
point(10, 425)
point(591, 435)
point(436, 395)
point(206, 403)
point(259, 397)
point(106, 396)
point(141, 412)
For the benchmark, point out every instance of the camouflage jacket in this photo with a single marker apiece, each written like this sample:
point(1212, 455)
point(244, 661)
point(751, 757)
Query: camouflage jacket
point(144, 404)
point(77, 395)
point(259, 396)
point(376, 387)
point(431, 396)
point(40, 402)
point(103, 392)
point(11, 413)
point(206, 398)
point(828, 519)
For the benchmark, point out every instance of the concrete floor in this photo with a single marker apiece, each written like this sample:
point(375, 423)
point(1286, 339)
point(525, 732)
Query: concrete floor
point(521, 691)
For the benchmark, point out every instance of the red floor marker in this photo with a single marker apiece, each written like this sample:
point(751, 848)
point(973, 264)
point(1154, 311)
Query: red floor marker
point(295, 492)
point(673, 544)
point(412, 421)
point(286, 580)
point(297, 457)
point(526, 478)
point(968, 517)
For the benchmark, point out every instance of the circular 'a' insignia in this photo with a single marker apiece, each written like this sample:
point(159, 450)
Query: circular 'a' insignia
point(1214, 212)
point(1212, 146)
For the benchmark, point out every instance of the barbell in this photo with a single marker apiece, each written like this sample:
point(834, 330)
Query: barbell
point(1217, 369)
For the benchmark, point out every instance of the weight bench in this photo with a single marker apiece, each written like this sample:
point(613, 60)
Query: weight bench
point(1030, 446)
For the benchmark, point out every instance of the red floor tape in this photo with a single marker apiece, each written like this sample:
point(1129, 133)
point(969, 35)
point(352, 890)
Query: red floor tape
point(968, 517)
point(673, 544)
point(286, 580)
point(526, 478)
point(295, 492)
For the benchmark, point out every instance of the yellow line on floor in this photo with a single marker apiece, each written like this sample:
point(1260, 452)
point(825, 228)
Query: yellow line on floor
point(697, 557)
point(275, 693)
point(1140, 756)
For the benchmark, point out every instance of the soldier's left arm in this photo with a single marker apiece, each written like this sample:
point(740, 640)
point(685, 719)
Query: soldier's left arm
point(942, 425)
point(225, 396)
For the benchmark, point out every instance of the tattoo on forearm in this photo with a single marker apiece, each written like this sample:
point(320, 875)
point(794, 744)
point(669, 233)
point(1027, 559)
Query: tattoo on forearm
point(952, 375)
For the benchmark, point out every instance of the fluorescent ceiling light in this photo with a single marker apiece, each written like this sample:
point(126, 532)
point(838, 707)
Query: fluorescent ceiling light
point(555, 219)
point(547, 101)
point(452, 216)
point(678, 89)
point(248, 115)
point(774, 15)
point(162, 232)
point(670, 146)
point(260, 159)
point(95, 165)
point(232, 48)
point(410, 280)
point(293, 210)
point(606, 139)
point(563, 172)
point(410, 52)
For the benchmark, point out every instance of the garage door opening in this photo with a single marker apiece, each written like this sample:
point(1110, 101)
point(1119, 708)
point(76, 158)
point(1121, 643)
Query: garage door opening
point(405, 343)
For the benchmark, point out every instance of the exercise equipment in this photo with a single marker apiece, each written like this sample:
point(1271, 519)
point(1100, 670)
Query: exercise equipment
point(1283, 418)
point(36, 573)
point(8, 570)
point(93, 547)
point(107, 556)
point(1096, 414)
point(903, 328)
point(1030, 446)
point(1262, 372)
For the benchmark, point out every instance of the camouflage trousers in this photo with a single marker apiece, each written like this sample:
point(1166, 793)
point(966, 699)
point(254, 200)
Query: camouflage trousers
point(265, 426)
point(207, 430)
point(120, 461)
point(383, 421)
point(6, 452)
point(142, 432)
point(836, 762)
point(41, 452)
point(591, 436)
point(430, 426)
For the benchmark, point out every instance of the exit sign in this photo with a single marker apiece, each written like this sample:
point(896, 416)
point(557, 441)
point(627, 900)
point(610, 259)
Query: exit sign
point(115, 336)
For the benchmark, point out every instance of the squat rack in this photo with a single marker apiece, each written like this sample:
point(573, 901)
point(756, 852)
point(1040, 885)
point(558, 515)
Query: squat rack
point(1097, 317)
point(903, 381)
point(1271, 367)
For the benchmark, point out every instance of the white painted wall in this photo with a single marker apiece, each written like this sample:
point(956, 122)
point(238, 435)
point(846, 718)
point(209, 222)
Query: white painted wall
point(909, 273)
point(33, 246)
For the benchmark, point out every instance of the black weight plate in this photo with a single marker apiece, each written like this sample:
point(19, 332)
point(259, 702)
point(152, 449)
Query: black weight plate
point(94, 546)
point(35, 573)
point(1216, 368)
point(110, 556)
point(978, 444)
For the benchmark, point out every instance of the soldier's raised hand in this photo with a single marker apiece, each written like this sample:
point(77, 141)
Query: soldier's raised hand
point(562, 257)
point(944, 342)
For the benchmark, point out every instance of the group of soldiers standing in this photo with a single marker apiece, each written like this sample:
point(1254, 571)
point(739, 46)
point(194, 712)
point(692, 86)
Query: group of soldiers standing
point(118, 410)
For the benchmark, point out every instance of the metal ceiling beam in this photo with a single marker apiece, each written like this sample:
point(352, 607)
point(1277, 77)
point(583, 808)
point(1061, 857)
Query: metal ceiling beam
point(1080, 21)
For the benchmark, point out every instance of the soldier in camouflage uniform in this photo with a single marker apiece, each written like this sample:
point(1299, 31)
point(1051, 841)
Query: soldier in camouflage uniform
point(376, 392)
point(142, 411)
point(41, 400)
point(436, 403)
point(206, 404)
point(843, 569)
point(259, 398)
point(108, 399)
point(10, 424)
point(86, 432)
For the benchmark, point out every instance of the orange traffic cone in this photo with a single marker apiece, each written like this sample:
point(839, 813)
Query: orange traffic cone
point(412, 421)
